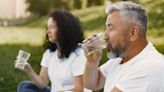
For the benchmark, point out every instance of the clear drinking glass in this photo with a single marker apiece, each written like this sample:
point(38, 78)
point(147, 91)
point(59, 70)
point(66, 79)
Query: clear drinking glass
point(22, 57)
point(96, 43)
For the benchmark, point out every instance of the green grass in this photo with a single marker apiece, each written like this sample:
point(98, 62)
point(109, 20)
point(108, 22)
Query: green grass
point(9, 76)
point(30, 37)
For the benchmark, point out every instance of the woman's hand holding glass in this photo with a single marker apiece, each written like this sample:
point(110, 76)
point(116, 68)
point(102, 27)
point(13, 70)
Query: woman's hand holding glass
point(21, 60)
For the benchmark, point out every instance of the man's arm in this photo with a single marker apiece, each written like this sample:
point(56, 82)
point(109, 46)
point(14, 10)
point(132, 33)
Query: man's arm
point(93, 78)
point(40, 80)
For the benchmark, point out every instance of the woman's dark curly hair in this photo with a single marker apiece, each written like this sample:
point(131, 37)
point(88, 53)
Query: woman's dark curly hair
point(69, 33)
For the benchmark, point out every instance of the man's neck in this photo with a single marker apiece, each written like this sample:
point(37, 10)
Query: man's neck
point(133, 50)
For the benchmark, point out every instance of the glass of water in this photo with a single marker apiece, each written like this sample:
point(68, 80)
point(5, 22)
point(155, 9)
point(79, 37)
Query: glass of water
point(94, 44)
point(22, 57)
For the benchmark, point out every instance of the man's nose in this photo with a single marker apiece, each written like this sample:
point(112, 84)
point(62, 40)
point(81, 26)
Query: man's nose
point(106, 34)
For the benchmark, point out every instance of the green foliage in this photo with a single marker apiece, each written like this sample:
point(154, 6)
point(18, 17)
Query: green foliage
point(155, 13)
point(37, 7)
point(77, 4)
point(94, 2)
point(43, 7)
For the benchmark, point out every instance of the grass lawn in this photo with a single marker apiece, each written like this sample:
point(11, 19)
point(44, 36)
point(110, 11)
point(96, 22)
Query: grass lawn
point(30, 37)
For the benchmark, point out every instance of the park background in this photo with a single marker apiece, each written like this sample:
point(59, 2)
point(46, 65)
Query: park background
point(29, 34)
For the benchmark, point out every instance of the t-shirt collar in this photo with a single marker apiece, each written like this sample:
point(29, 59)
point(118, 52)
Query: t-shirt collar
point(139, 56)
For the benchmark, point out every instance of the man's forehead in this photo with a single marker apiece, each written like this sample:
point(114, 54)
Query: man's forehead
point(113, 16)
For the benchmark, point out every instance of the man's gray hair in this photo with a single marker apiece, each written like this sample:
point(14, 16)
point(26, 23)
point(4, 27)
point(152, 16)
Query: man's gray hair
point(131, 12)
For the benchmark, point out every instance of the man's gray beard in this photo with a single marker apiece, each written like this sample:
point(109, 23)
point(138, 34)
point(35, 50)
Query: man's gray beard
point(111, 54)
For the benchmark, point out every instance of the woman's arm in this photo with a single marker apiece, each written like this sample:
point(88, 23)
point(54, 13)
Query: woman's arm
point(40, 80)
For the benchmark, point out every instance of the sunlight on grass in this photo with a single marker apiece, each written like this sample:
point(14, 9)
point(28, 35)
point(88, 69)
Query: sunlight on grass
point(36, 23)
point(19, 35)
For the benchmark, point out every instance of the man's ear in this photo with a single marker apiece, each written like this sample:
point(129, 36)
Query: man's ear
point(134, 32)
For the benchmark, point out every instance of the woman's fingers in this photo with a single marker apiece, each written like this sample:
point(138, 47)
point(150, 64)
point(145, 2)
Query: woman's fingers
point(19, 64)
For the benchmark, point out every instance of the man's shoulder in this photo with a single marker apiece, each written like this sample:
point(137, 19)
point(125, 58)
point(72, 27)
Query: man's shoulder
point(148, 65)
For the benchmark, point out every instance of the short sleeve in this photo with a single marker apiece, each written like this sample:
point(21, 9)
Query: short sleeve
point(133, 81)
point(78, 65)
point(109, 66)
point(105, 68)
point(45, 58)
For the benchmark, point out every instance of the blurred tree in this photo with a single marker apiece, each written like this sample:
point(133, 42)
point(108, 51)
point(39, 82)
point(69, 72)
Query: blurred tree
point(37, 7)
point(77, 4)
point(43, 7)
point(117, 0)
point(94, 2)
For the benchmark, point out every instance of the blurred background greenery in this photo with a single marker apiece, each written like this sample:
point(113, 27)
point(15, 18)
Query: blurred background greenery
point(30, 35)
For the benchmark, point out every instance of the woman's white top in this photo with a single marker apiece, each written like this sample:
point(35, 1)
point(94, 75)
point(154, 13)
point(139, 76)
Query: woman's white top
point(61, 72)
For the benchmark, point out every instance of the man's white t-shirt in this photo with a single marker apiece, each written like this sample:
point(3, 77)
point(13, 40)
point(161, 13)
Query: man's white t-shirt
point(61, 72)
point(143, 73)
